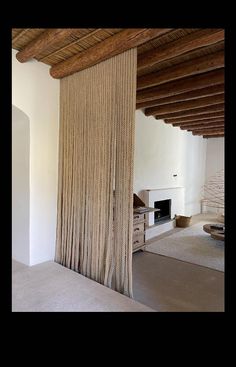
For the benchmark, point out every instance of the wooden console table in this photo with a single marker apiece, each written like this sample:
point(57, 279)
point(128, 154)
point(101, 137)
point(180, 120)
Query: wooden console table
point(139, 223)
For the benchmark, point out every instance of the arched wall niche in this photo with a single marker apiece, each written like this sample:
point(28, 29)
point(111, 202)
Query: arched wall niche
point(20, 186)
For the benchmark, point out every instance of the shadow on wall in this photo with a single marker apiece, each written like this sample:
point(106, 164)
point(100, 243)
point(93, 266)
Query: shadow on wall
point(20, 186)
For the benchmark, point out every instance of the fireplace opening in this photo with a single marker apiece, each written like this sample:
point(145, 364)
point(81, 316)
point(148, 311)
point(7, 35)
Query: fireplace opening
point(165, 210)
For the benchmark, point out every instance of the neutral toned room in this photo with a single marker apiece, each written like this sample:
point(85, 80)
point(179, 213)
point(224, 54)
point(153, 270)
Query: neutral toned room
point(118, 170)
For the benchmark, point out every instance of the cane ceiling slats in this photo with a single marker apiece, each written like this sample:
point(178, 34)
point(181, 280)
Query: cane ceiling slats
point(203, 51)
point(25, 38)
point(82, 39)
point(166, 38)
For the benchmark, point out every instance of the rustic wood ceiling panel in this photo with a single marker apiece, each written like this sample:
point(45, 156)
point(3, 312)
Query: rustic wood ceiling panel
point(77, 43)
point(16, 32)
point(75, 36)
point(25, 38)
point(203, 51)
point(82, 39)
point(166, 38)
point(70, 46)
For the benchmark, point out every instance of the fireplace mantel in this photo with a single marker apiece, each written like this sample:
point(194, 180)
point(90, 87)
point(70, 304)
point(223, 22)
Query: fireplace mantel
point(166, 188)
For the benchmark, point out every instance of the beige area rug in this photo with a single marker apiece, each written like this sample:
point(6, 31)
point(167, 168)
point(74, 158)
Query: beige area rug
point(192, 245)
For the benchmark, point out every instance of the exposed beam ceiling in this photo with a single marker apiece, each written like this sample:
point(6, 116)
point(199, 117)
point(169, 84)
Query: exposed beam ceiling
point(46, 39)
point(183, 106)
point(214, 136)
point(181, 86)
point(211, 131)
point(188, 68)
point(187, 119)
point(14, 39)
point(195, 94)
point(180, 71)
point(90, 34)
point(203, 126)
point(200, 121)
point(193, 112)
point(190, 42)
point(112, 46)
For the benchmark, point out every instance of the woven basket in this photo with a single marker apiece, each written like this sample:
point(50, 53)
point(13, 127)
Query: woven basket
point(182, 221)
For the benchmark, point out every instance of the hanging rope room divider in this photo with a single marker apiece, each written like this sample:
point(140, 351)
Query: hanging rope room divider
point(95, 183)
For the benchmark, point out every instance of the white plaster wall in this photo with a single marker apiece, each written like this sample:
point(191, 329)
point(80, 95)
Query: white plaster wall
point(215, 162)
point(215, 157)
point(161, 151)
point(36, 93)
point(194, 171)
point(20, 186)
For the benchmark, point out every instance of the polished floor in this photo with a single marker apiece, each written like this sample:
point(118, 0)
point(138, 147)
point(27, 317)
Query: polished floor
point(170, 285)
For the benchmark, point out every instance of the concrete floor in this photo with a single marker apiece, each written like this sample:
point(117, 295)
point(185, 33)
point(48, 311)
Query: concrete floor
point(50, 287)
point(171, 285)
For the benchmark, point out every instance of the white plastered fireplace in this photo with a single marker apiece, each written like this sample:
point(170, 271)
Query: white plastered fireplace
point(176, 195)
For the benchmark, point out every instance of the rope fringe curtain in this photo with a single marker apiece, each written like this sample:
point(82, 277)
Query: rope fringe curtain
point(95, 184)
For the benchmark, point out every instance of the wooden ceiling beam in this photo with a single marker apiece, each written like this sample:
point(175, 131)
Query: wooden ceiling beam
point(194, 112)
point(184, 85)
point(195, 94)
point(19, 35)
point(196, 66)
point(208, 131)
point(187, 119)
point(198, 122)
point(192, 41)
point(71, 43)
point(183, 106)
point(42, 42)
point(214, 136)
point(114, 45)
point(202, 126)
